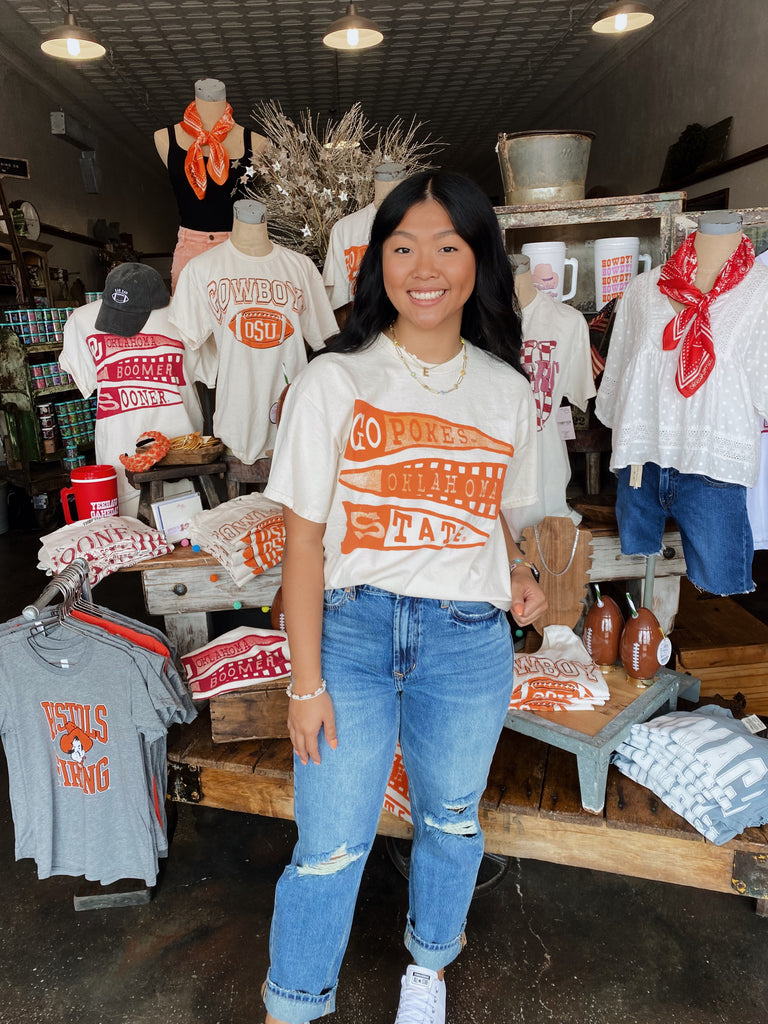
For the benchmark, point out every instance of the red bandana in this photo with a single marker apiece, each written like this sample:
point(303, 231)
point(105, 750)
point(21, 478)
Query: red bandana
point(218, 161)
point(692, 324)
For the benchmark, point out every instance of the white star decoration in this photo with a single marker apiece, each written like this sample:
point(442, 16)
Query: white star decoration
point(327, 193)
point(343, 197)
point(250, 170)
point(306, 231)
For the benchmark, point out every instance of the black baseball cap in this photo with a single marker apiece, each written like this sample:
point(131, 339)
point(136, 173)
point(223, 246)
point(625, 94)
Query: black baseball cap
point(131, 292)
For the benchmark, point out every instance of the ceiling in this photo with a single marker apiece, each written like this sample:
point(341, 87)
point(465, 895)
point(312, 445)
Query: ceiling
point(466, 69)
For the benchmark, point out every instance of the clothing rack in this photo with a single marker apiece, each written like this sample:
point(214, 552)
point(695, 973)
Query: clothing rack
point(71, 583)
point(68, 584)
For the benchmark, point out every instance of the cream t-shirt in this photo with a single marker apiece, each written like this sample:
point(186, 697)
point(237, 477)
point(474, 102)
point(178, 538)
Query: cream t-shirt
point(409, 483)
point(557, 358)
point(260, 310)
point(346, 246)
point(142, 383)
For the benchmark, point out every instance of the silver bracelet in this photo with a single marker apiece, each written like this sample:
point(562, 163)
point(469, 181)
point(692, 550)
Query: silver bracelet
point(306, 696)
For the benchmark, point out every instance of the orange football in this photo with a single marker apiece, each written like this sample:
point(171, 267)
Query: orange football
point(260, 328)
point(602, 631)
point(639, 646)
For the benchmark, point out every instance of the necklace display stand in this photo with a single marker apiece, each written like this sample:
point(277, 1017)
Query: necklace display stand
point(562, 552)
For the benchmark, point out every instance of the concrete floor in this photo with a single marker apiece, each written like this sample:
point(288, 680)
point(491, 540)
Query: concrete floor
point(549, 945)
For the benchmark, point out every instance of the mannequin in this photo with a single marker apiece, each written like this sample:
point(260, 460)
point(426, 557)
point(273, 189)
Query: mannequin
point(683, 390)
point(717, 238)
point(385, 178)
point(124, 348)
point(556, 356)
point(205, 203)
point(263, 305)
point(525, 289)
point(349, 240)
point(249, 228)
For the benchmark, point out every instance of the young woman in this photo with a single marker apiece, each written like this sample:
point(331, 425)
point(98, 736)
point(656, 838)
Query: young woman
point(396, 452)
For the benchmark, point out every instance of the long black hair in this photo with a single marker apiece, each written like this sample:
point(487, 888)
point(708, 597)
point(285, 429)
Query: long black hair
point(491, 315)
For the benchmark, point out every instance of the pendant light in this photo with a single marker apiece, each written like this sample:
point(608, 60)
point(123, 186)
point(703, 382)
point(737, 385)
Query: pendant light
point(352, 32)
point(71, 42)
point(626, 17)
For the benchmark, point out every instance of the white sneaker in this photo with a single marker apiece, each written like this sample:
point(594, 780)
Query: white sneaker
point(422, 997)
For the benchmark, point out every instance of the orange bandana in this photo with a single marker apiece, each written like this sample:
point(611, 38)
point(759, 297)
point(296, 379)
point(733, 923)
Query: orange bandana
point(218, 161)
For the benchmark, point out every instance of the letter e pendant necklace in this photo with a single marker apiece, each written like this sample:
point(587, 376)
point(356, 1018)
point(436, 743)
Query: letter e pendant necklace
point(425, 370)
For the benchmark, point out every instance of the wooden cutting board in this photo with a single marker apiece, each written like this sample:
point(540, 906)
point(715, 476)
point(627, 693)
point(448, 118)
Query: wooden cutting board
point(562, 552)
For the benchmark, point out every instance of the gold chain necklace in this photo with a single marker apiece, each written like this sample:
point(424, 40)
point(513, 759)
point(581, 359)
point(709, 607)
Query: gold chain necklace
point(435, 391)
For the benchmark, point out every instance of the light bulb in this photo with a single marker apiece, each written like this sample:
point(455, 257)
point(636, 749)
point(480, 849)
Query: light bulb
point(73, 47)
point(620, 22)
point(353, 37)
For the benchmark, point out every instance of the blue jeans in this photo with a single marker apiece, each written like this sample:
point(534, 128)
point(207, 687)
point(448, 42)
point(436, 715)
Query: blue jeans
point(438, 674)
point(711, 516)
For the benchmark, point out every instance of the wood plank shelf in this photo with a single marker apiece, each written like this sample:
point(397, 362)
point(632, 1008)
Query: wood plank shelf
point(531, 808)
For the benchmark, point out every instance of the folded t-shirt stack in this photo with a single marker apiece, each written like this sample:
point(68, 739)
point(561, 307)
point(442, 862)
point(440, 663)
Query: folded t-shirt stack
point(107, 544)
point(242, 657)
point(560, 676)
point(705, 765)
point(246, 534)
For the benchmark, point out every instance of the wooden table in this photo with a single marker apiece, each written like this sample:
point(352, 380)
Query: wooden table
point(594, 735)
point(531, 808)
point(179, 586)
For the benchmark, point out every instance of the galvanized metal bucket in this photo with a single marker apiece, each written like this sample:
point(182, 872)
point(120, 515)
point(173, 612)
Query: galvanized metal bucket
point(545, 166)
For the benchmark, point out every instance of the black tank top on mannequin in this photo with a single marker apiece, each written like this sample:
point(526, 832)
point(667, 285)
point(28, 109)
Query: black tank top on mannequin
point(214, 211)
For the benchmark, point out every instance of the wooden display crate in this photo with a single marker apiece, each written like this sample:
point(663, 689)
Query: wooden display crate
point(250, 713)
point(724, 646)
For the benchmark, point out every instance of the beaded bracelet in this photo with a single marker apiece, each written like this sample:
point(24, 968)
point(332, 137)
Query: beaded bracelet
point(306, 696)
point(528, 565)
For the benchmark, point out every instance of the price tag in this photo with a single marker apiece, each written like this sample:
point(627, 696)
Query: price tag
point(753, 723)
point(664, 650)
point(636, 476)
point(565, 423)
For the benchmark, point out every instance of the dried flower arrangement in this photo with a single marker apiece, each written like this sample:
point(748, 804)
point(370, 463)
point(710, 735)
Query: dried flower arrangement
point(309, 179)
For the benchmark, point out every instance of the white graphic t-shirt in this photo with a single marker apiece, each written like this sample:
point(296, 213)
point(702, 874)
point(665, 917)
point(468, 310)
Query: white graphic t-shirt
point(346, 246)
point(260, 310)
point(142, 383)
point(409, 483)
point(557, 358)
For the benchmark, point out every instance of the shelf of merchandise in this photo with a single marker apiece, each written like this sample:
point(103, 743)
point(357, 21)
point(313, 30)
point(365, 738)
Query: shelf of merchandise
point(650, 217)
point(35, 255)
point(29, 465)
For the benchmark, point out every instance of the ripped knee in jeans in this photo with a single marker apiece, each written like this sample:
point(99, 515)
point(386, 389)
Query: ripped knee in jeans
point(330, 863)
point(458, 817)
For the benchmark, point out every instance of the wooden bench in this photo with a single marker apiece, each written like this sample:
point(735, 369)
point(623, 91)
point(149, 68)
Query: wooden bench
point(531, 808)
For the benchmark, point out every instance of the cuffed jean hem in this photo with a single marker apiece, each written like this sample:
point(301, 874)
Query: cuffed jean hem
point(297, 1007)
point(434, 955)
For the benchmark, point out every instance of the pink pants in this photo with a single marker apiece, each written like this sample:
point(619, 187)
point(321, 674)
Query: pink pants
point(192, 243)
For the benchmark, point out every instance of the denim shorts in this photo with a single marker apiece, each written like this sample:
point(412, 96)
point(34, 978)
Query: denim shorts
point(710, 514)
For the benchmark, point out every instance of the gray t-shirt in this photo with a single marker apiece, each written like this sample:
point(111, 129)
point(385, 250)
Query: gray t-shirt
point(76, 718)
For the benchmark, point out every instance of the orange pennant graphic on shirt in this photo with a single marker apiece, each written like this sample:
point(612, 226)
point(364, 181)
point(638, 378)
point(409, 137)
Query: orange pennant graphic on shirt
point(353, 257)
point(391, 528)
point(475, 487)
point(376, 432)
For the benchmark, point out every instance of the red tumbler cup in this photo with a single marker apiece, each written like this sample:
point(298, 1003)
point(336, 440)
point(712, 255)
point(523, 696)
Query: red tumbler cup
point(95, 492)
